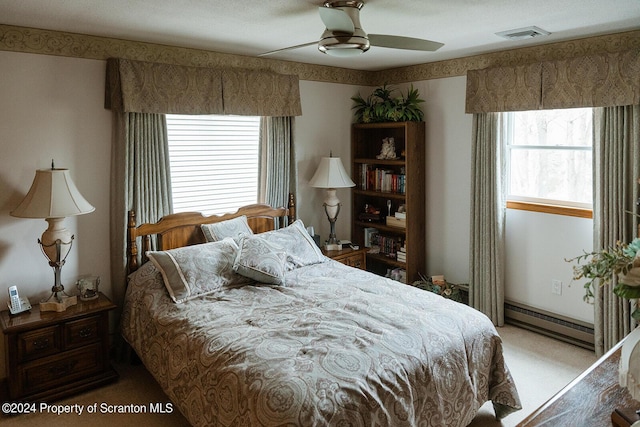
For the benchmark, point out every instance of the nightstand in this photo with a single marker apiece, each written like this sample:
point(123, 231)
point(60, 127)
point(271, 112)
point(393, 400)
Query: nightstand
point(50, 355)
point(352, 257)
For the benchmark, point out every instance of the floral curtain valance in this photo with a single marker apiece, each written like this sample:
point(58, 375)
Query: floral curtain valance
point(504, 89)
point(147, 87)
point(598, 80)
point(260, 93)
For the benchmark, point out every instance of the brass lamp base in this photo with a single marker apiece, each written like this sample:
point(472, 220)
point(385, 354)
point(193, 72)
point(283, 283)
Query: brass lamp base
point(53, 305)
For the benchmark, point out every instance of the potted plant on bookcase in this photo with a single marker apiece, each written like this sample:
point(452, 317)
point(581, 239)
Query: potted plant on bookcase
point(381, 106)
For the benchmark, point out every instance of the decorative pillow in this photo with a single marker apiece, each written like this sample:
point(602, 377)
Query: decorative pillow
point(197, 270)
point(229, 228)
point(260, 260)
point(299, 245)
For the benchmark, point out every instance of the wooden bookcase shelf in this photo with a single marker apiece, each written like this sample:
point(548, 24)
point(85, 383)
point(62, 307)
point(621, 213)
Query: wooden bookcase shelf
point(400, 181)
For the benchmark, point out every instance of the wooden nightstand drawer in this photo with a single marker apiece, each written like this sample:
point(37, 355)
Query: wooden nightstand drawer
point(357, 261)
point(81, 332)
point(52, 355)
point(352, 257)
point(52, 371)
point(39, 343)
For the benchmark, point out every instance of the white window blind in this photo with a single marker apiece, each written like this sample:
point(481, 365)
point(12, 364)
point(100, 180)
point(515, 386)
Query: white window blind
point(214, 162)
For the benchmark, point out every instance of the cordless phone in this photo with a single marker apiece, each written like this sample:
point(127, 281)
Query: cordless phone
point(17, 304)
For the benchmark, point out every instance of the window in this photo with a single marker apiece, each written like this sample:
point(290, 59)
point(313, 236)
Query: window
point(549, 157)
point(214, 162)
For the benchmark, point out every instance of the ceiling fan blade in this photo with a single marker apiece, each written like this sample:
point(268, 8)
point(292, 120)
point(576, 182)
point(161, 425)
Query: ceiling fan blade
point(287, 48)
point(336, 20)
point(399, 42)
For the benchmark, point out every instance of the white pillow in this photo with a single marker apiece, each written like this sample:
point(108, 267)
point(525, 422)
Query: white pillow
point(234, 228)
point(197, 270)
point(300, 247)
point(260, 260)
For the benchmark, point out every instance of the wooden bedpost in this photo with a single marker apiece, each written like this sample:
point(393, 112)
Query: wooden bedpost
point(291, 205)
point(132, 247)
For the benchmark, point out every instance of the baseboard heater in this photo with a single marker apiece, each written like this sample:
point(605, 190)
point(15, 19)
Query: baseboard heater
point(550, 324)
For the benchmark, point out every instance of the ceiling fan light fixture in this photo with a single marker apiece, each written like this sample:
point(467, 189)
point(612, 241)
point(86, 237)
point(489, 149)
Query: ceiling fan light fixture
point(344, 46)
point(344, 37)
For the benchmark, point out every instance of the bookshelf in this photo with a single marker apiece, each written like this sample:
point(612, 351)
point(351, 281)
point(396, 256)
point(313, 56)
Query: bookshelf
point(383, 185)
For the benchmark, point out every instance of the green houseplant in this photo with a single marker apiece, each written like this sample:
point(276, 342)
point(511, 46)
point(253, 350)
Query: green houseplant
point(381, 106)
point(622, 260)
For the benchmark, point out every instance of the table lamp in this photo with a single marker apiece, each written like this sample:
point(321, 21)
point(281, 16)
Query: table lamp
point(53, 196)
point(331, 175)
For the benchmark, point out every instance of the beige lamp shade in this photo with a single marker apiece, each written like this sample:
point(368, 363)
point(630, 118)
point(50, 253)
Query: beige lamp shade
point(331, 174)
point(53, 194)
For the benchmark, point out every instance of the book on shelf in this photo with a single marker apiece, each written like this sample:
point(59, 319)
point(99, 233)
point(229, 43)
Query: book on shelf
point(388, 245)
point(386, 180)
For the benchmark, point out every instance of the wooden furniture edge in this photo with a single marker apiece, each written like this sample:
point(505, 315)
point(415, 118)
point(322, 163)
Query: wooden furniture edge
point(568, 387)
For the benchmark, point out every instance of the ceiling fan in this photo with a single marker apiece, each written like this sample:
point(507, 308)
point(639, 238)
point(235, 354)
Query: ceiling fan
point(344, 35)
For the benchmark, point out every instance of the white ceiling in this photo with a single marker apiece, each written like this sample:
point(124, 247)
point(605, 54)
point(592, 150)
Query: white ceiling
point(251, 27)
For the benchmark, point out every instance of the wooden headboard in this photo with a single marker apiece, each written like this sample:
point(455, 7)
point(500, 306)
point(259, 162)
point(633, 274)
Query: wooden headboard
point(183, 229)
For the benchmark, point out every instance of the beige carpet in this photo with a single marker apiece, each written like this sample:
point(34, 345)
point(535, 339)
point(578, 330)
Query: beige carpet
point(541, 366)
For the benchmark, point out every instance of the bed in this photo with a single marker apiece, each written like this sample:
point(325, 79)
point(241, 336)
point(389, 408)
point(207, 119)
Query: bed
point(243, 322)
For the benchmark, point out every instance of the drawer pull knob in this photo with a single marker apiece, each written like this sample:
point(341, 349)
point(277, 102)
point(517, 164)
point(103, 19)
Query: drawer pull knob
point(85, 332)
point(41, 343)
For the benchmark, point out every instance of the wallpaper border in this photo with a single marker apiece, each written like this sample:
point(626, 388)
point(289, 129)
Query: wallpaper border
point(48, 42)
point(617, 42)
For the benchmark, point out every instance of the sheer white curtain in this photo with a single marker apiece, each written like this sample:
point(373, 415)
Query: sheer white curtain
point(278, 170)
point(486, 285)
point(616, 173)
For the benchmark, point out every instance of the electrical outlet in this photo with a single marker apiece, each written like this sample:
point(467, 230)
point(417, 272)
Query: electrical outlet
point(556, 287)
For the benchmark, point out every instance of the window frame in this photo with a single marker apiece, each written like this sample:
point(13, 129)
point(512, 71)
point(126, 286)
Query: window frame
point(533, 204)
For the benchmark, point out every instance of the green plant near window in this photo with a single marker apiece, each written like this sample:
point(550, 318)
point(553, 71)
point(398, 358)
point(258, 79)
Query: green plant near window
point(381, 106)
point(622, 260)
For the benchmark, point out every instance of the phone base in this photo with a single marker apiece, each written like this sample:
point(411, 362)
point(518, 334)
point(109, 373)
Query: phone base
point(24, 306)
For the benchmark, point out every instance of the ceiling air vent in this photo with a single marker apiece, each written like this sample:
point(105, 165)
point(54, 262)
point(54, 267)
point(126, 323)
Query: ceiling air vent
point(523, 33)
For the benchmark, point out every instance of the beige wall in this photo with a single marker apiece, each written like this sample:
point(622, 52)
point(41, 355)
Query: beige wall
point(51, 108)
point(324, 127)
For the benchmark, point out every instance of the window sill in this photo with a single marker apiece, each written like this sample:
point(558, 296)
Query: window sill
point(550, 209)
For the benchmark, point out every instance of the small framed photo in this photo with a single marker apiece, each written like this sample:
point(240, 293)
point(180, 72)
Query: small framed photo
point(88, 287)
